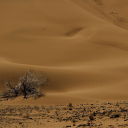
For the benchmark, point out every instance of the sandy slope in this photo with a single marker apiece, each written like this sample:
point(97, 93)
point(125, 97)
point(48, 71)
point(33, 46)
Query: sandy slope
point(81, 44)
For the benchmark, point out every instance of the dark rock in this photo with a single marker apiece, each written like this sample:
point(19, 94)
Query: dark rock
point(68, 126)
point(82, 125)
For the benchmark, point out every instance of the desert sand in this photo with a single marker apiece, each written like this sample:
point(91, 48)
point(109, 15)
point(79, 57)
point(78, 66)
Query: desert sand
point(82, 45)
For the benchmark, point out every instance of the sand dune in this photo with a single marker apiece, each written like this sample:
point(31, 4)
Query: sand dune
point(81, 45)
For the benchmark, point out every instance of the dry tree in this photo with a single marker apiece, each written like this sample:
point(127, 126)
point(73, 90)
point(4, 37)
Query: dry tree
point(29, 85)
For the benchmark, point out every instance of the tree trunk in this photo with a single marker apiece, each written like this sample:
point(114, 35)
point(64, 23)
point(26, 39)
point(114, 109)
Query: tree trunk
point(24, 91)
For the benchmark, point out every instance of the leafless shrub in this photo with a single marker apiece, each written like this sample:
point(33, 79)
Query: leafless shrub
point(29, 85)
point(70, 105)
point(56, 113)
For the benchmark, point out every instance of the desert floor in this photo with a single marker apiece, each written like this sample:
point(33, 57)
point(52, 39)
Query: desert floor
point(82, 45)
point(98, 115)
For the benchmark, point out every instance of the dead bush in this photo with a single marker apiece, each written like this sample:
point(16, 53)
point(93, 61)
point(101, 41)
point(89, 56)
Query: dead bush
point(30, 84)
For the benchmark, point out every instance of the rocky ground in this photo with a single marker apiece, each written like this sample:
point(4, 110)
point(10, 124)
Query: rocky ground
point(77, 116)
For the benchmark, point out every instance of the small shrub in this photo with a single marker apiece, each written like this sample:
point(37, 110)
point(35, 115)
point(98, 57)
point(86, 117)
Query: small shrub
point(70, 105)
point(29, 85)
